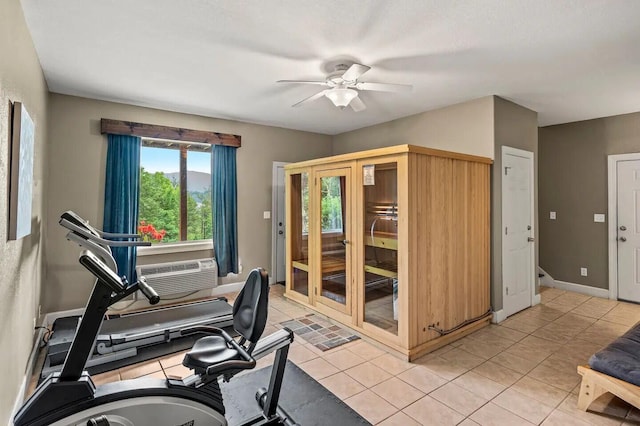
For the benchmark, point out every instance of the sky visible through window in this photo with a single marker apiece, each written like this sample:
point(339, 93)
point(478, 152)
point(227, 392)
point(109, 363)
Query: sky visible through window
point(168, 160)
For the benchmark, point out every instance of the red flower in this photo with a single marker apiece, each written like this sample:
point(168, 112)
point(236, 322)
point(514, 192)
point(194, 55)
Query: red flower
point(149, 232)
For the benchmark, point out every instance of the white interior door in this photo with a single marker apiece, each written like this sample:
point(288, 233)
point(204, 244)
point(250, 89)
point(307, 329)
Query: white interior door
point(517, 230)
point(628, 232)
point(278, 272)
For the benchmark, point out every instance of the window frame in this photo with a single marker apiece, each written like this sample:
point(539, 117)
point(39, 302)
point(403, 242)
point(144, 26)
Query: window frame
point(183, 245)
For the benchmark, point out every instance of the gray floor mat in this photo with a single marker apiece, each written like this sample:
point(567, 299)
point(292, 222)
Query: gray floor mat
point(305, 400)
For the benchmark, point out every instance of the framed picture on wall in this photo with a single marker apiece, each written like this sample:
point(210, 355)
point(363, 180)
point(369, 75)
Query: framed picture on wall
point(21, 172)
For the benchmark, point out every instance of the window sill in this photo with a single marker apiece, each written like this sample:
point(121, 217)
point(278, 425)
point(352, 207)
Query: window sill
point(181, 247)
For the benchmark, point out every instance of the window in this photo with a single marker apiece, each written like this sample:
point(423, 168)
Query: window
point(331, 204)
point(331, 195)
point(175, 191)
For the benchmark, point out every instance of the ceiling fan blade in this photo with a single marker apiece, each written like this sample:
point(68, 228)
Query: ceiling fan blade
point(385, 87)
point(357, 105)
point(310, 98)
point(321, 83)
point(354, 72)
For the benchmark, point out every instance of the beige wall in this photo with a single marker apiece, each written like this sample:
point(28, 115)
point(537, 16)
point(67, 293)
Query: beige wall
point(21, 268)
point(573, 183)
point(466, 127)
point(78, 151)
point(516, 127)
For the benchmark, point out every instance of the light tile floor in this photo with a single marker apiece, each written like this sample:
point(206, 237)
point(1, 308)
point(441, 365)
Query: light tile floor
point(520, 372)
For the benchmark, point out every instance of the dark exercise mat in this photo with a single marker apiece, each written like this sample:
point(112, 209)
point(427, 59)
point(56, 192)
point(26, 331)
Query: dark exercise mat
point(305, 400)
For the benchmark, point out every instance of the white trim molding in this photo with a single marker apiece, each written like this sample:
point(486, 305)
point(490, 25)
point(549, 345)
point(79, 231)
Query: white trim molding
point(30, 367)
point(536, 300)
point(581, 288)
point(498, 316)
point(547, 280)
point(20, 397)
point(612, 163)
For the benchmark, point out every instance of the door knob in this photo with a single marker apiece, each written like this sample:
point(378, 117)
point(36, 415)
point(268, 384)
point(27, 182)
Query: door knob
point(344, 242)
point(623, 228)
point(623, 239)
point(280, 232)
point(531, 239)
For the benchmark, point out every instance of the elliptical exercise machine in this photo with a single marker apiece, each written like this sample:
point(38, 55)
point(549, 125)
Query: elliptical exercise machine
point(70, 398)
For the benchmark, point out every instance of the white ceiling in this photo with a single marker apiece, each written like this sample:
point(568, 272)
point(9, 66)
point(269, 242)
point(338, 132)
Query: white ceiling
point(567, 59)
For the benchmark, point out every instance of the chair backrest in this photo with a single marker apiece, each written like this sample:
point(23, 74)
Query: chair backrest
point(251, 306)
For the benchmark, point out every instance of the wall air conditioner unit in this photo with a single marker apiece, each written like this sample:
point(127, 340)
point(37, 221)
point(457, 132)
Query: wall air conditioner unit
point(180, 277)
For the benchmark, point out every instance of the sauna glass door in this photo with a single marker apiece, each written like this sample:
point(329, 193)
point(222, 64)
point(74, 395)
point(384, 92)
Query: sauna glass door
point(332, 220)
point(380, 251)
point(298, 235)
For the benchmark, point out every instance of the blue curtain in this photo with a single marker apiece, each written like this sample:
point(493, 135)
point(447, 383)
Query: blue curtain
point(224, 201)
point(121, 197)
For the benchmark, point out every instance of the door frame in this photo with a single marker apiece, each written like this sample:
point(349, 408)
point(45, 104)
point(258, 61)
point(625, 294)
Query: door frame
point(507, 150)
point(274, 218)
point(612, 163)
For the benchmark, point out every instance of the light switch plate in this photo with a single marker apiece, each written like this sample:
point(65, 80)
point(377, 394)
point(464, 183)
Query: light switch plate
point(266, 214)
point(552, 215)
point(598, 217)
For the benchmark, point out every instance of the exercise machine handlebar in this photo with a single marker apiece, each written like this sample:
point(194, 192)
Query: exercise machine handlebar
point(118, 285)
point(148, 291)
point(81, 230)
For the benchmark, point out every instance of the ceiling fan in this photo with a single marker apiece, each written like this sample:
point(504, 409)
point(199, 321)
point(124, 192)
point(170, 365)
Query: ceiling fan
point(343, 86)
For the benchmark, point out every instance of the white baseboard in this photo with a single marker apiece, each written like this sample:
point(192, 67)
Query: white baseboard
point(536, 299)
point(547, 280)
point(19, 400)
point(498, 316)
point(581, 288)
point(31, 365)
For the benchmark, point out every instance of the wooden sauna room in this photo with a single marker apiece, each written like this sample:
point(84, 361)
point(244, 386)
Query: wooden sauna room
point(392, 242)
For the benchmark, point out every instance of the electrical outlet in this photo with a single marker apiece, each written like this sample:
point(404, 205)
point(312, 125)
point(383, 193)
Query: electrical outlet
point(583, 272)
point(552, 215)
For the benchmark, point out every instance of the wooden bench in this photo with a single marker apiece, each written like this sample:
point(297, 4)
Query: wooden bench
point(614, 369)
point(595, 384)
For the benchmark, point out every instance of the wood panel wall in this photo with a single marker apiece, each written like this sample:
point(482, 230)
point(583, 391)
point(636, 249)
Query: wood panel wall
point(449, 243)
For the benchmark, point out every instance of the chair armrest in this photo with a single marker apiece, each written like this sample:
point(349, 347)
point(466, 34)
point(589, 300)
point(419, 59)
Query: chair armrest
point(273, 342)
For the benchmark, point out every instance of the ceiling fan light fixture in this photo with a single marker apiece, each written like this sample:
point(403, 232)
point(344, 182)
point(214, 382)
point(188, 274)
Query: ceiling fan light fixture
point(341, 97)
